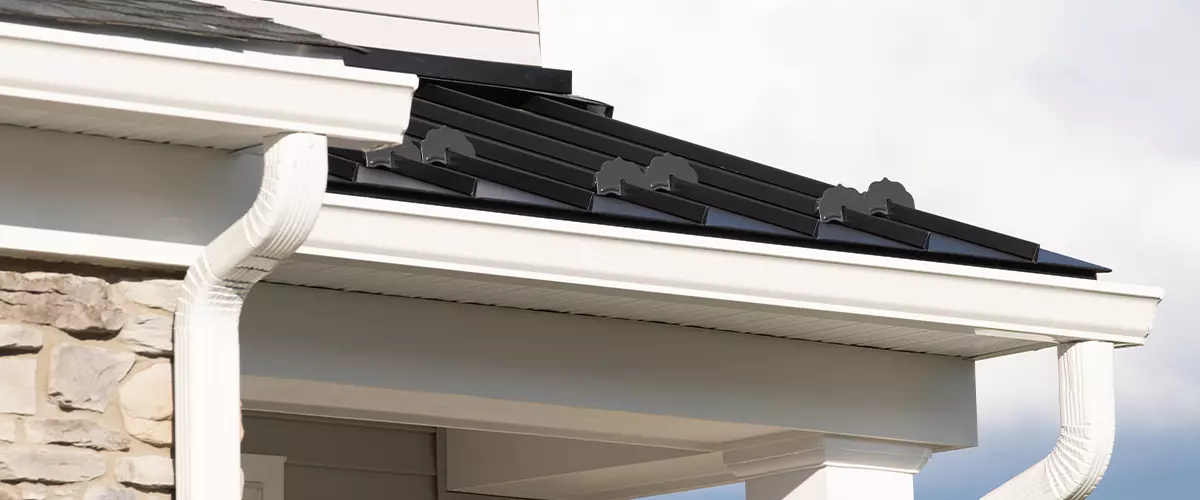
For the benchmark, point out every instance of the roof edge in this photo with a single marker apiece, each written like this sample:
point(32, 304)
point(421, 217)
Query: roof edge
point(273, 62)
point(715, 271)
point(180, 94)
point(393, 193)
point(520, 76)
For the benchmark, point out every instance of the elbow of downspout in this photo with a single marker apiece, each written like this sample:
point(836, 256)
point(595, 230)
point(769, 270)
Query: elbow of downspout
point(1087, 411)
point(214, 289)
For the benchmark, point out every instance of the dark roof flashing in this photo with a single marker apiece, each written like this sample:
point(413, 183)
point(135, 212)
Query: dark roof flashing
point(561, 162)
point(458, 69)
point(440, 142)
point(618, 172)
point(983, 237)
point(836, 200)
point(382, 157)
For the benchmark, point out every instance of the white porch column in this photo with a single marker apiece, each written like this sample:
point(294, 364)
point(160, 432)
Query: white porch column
point(832, 483)
point(831, 468)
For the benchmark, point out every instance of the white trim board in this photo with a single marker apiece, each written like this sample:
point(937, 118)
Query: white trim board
point(729, 273)
point(133, 88)
point(412, 237)
point(266, 470)
point(16, 241)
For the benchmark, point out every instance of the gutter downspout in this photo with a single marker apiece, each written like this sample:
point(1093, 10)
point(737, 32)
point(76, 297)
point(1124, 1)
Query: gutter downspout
point(206, 321)
point(1087, 410)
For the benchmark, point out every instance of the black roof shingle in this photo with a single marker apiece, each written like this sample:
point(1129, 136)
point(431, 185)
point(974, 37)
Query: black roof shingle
point(180, 21)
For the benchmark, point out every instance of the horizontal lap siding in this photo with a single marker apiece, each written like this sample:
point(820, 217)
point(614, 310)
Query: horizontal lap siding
point(328, 458)
point(474, 29)
point(96, 185)
point(516, 15)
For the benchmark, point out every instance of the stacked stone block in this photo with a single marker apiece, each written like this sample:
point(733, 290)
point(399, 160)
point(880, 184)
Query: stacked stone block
point(85, 386)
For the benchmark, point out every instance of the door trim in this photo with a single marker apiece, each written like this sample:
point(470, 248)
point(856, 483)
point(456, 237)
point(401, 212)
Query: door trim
point(265, 469)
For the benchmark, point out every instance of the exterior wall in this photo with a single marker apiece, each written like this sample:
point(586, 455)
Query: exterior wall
point(494, 30)
point(85, 382)
point(113, 187)
point(328, 458)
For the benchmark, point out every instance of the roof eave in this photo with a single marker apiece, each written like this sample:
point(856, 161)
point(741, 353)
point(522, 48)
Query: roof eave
point(160, 92)
point(996, 312)
point(733, 274)
point(1082, 270)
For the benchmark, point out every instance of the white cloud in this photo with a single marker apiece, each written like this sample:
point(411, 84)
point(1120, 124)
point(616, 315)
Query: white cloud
point(1070, 123)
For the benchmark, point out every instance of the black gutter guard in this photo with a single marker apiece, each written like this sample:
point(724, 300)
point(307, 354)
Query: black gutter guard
point(465, 70)
point(564, 162)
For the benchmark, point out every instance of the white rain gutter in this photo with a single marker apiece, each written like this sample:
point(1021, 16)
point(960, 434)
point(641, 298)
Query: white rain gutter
point(129, 88)
point(421, 238)
point(206, 322)
point(1087, 411)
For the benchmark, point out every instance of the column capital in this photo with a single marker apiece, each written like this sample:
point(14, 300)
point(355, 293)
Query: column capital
point(820, 451)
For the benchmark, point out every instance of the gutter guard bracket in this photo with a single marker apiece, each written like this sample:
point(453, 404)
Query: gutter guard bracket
point(1087, 410)
point(207, 365)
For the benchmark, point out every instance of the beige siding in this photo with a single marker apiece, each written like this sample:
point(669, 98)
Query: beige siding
point(516, 15)
point(131, 189)
point(460, 28)
point(329, 458)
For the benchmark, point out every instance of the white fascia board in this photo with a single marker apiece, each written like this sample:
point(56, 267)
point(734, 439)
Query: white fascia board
point(730, 273)
point(682, 267)
point(198, 90)
point(17, 241)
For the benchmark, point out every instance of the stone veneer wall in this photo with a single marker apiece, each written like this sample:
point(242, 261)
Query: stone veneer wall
point(85, 383)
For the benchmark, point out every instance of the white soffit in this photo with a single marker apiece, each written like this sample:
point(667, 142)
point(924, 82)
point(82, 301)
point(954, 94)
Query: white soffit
point(425, 251)
point(160, 92)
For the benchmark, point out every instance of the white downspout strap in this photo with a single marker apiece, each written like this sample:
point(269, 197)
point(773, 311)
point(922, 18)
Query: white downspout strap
point(1087, 399)
point(207, 371)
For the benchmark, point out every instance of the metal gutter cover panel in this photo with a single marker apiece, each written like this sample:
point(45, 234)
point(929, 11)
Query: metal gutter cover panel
point(570, 157)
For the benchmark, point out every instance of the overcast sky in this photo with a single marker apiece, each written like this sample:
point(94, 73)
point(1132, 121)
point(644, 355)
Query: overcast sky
point(1072, 123)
